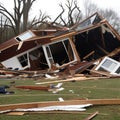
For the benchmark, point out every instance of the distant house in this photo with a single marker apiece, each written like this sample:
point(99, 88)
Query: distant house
point(40, 50)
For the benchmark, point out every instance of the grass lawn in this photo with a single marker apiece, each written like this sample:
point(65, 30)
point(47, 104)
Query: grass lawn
point(98, 89)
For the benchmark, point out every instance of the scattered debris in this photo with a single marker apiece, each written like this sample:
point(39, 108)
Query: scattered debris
point(34, 87)
point(86, 51)
point(51, 105)
point(79, 48)
point(60, 99)
point(51, 87)
point(109, 65)
point(91, 116)
point(4, 90)
point(58, 108)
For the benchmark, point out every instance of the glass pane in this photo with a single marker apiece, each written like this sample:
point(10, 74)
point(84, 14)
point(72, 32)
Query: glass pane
point(59, 53)
point(25, 36)
point(109, 65)
point(89, 22)
point(118, 71)
point(48, 51)
point(51, 60)
point(69, 50)
point(23, 60)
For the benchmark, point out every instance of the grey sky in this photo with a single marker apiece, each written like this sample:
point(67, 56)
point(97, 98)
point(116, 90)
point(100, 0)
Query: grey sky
point(51, 7)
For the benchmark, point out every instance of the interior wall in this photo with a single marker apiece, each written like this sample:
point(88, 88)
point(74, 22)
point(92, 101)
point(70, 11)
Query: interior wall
point(95, 41)
point(37, 59)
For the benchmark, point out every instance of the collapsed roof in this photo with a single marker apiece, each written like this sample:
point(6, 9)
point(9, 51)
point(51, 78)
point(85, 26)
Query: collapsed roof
point(88, 40)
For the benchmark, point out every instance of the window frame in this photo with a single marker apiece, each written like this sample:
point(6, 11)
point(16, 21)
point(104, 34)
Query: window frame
point(25, 36)
point(111, 69)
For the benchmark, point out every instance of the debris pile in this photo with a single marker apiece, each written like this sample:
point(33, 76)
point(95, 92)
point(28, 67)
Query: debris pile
point(76, 50)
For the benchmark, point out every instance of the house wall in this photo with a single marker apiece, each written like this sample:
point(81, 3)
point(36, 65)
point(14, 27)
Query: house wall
point(12, 63)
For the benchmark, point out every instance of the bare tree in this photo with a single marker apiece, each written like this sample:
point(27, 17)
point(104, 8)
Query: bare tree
point(21, 11)
point(73, 13)
point(26, 8)
point(89, 8)
point(109, 14)
point(112, 17)
point(2, 27)
point(19, 19)
point(36, 22)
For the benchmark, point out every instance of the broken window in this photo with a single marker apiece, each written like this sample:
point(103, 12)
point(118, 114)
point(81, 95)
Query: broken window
point(60, 52)
point(93, 44)
point(23, 60)
point(109, 65)
point(49, 55)
point(25, 36)
point(94, 19)
point(37, 59)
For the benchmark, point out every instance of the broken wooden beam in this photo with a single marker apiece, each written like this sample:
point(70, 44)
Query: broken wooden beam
point(54, 103)
point(45, 88)
point(82, 78)
point(91, 116)
point(100, 72)
point(88, 55)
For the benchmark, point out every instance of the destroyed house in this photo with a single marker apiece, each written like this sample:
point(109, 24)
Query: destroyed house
point(40, 50)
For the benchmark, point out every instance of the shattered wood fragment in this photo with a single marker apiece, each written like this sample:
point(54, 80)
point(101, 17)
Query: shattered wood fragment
point(100, 73)
point(102, 38)
point(103, 50)
point(51, 112)
point(71, 79)
point(115, 52)
point(74, 49)
point(16, 113)
point(88, 55)
point(80, 67)
point(34, 87)
point(91, 116)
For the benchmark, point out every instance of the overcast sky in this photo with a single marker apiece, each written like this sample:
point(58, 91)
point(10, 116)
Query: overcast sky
point(51, 7)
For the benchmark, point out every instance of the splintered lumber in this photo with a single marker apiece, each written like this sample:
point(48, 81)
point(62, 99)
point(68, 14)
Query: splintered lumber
point(91, 116)
point(52, 112)
point(115, 52)
point(16, 113)
point(80, 67)
point(103, 50)
point(71, 79)
point(100, 72)
point(88, 55)
point(21, 72)
point(55, 103)
point(34, 87)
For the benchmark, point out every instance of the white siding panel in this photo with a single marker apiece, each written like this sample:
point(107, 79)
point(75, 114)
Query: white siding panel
point(13, 63)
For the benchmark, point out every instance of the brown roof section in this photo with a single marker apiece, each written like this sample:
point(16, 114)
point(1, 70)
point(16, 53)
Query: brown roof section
point(12, 49)
point(8, 44)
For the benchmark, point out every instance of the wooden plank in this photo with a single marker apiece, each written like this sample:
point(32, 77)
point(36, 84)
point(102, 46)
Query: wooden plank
point(103, 50)
point(74, 50)
point(88, 55)
point(91, 116)
point(63, 36)
point(100, 72)
point(53, 112)
point(70, 79)
point(16, 113)
point(45, 88)
point(54, 103)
